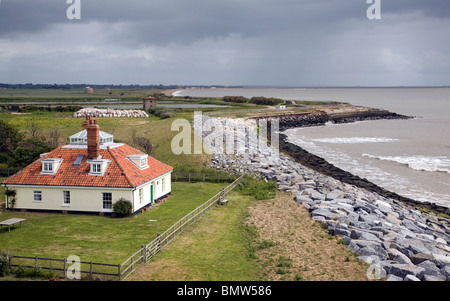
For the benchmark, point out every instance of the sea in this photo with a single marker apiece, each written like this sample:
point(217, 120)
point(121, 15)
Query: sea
point(410, 157)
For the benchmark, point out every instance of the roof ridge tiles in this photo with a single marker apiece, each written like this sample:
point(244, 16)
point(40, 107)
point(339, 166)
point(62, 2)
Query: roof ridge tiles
point(120, 166)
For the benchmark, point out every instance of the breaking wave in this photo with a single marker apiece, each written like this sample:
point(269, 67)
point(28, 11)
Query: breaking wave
point(354, 140)
point(422, 163)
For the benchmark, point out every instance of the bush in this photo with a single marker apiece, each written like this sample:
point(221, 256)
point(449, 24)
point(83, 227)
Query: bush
point(4, 264)
point(162, 112)
point(261, 100)
point(122, 208)
point(235, 99)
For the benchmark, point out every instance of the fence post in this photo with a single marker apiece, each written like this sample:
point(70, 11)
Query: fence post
point(189, 177)
point(90, 271)
point(118, 272)
point(144, 253)
point(64, 268)
point(158, 246)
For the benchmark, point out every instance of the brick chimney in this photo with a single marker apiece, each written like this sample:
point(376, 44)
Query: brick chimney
point(93, 139)
point(86, 122)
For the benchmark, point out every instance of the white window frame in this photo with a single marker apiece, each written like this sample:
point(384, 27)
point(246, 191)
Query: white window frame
point(37, 196)
point(163, 185)
point(66, 198)
point(143, 161)
point(47, 167)
point(141, 196)
point(50, 166)
point(96, 168)
point(107, 199)
point(140, 160)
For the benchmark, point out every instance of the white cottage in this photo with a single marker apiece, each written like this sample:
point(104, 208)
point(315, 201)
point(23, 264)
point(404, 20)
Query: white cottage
point(89, 175)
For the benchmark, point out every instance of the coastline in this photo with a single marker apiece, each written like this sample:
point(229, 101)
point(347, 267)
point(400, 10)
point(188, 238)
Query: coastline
point(399, 242)
point(320, 165)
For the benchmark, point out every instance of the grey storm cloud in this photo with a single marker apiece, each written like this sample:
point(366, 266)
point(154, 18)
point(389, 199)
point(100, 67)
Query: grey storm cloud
point(279, 42)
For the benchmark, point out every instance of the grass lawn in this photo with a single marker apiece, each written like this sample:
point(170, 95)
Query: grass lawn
point(97, 238)
point(215, 248)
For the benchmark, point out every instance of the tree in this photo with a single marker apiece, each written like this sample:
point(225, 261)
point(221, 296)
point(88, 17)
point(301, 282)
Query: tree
point(145, 143)
point(10, 202)
point(26, 152)
point(9, 138)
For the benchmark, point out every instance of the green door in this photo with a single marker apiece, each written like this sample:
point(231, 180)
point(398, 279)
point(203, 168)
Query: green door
point(151, 194)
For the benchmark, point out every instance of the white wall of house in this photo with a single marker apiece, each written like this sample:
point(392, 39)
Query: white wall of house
point(81, 199)
point(142, 195)
point(88, 199)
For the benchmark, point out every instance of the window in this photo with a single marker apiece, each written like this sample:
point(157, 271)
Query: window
point(37, 196)
point(139, 160)
point(107, 200)
point(48, 167)
point(140, 196)
point(163, 185)
point(66, 197)
point(143, 161)
point(96, 168)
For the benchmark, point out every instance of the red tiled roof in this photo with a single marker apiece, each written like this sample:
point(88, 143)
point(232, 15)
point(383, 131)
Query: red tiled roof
point(120, 173)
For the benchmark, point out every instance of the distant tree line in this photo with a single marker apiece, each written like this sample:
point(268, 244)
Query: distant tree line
point(258, 100)
point(82, 86)
point(103, 86)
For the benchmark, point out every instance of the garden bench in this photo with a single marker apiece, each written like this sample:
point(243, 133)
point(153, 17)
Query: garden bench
point(11, 221)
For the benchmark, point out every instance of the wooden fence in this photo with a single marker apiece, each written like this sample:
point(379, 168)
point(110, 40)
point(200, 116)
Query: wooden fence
point(146, 252)
point(203, 177)
point(65, 266)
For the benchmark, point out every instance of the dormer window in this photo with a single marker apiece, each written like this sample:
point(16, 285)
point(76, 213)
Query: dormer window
point(143, 161)
point(98, 166)
point(139, 160)
point(50, 166)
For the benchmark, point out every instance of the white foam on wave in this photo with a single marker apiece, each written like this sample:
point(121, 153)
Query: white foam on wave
point(177, 93)
point(351, 140)
point(422, 163)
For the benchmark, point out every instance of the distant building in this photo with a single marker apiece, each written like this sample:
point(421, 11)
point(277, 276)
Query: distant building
point(88, 90)
point(281, 107)
point(149, 102)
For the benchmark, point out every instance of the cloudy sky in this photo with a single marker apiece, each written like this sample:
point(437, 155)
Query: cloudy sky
point(226, 42)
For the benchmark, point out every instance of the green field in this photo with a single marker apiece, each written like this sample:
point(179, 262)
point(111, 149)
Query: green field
point(71, 94)
point(215, 248)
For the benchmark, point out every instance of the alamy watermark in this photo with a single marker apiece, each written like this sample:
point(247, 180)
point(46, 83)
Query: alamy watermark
point(74, 10)
point(74, 268)
point(374, 10)
point(219, 136)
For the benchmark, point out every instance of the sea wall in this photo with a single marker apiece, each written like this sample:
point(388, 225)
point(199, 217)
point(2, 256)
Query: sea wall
point(320, 117)
point(398, 241)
